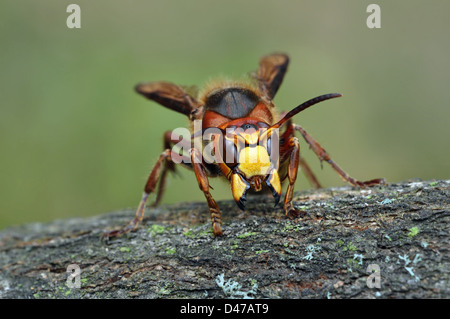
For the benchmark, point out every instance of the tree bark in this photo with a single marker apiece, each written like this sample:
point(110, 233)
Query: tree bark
point(397, 233)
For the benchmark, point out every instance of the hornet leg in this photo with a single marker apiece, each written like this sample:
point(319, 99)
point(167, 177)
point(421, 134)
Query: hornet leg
point(169, 140)
point(202, 178)
point(291, 212)
point(150, 186)
point(323, 156)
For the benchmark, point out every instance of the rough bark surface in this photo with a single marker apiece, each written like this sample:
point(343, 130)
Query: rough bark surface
point(402, 228)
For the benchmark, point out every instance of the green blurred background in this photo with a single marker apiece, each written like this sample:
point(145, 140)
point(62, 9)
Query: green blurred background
point(77, 141)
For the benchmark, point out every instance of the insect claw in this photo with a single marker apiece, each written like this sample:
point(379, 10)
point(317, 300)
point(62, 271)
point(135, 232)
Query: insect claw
point(241, 203)
point(239, 188)
point(277, 198)
point(273, 182)
point(275, 194)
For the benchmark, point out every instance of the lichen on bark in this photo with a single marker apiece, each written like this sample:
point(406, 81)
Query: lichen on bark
point(402, 228)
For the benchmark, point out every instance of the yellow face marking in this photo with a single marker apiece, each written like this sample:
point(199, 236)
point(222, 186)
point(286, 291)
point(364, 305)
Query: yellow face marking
point(238, 187)
point(254, 161)
point(251, 138)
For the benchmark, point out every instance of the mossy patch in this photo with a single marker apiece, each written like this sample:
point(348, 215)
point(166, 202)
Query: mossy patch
point(157, 229)
point(413, 231)
point(245, 235)
point(170, 250)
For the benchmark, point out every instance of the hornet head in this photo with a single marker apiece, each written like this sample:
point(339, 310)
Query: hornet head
point(248, 153)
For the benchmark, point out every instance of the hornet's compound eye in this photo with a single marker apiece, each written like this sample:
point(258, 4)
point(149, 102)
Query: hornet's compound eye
point(228, 151)
point(272, 144)
point(269, 145)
